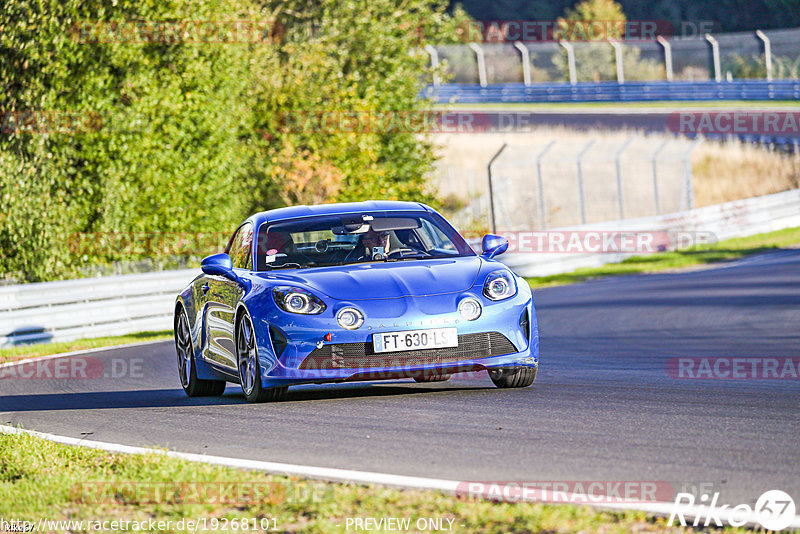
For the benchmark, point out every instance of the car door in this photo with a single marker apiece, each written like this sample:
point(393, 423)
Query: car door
point(221, 299)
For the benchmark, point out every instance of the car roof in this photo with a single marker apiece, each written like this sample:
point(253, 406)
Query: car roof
point(294, 212)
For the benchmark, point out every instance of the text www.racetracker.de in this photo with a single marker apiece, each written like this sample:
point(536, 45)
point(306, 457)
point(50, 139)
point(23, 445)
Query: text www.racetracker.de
point(200, 524)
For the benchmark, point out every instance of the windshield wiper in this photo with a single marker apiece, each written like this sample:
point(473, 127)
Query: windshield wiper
point(421, 256)
point(287, 266)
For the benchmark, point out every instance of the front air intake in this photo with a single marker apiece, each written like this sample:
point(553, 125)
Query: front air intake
point(361, 355)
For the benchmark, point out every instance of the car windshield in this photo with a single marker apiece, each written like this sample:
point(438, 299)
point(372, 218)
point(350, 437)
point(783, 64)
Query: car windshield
point(356, 238)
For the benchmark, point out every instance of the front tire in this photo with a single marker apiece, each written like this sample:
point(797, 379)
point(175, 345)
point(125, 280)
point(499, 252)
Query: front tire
point(187, 371)
point(513, 377)
point(249, 369)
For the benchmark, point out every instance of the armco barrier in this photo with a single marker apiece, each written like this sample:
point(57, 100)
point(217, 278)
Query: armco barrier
point(732, 219)
point(614, 92)
point(89, 307)
point(115, 305)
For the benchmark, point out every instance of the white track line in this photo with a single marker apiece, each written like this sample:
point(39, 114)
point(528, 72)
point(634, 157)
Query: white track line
point(367, 477)
point(324, 473)
point(83, 351)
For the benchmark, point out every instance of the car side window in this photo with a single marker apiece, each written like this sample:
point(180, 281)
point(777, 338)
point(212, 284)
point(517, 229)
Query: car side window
point(434, 237)
point(240, 247)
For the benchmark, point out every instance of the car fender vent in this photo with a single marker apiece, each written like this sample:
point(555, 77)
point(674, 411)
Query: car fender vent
point(279, 341)
point(525, 324)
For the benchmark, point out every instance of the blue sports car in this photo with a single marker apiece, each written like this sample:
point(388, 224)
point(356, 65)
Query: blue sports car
point(348, 292)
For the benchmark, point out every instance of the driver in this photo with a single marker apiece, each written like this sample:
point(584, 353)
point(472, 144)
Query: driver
point(368, 241)
point(373, 239)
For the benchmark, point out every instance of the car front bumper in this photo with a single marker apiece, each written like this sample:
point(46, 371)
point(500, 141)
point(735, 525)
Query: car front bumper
point(497, 339)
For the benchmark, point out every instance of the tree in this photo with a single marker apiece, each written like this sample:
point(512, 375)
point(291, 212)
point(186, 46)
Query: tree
point(172, 134)
point(727, 15)
point(595, 10)
point(595, 59)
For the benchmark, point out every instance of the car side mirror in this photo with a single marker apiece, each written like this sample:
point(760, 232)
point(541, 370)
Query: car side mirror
point(219, 265)
point(493, 245)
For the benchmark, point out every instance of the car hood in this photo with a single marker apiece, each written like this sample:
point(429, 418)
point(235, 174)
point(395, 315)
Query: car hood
point(364, 281)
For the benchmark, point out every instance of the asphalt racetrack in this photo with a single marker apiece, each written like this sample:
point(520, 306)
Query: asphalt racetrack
point(649, 121)
point(604, 407)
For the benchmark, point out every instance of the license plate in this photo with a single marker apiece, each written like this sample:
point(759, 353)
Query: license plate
point(432, 338)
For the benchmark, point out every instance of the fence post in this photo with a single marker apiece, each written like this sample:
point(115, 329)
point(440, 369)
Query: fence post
point(481, 63)
point(656, 200)
point(581, 196)
point(491, 188)
point(767, 52)
point(434, 64)
point(540, 185)
point(667, 56)
point(618, 59)
point(573, 76)
point(526, 61)
point(617, 156)
point(715, 57)
point(687, 174)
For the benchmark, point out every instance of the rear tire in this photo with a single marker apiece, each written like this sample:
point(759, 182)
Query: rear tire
point(249, 369)
point(187, 371)
point(513, 377)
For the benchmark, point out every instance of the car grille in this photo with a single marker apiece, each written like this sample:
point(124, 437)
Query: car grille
point(361, 355)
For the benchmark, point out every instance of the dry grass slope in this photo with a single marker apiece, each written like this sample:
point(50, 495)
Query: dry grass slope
point(721, 171)
point(732, 170)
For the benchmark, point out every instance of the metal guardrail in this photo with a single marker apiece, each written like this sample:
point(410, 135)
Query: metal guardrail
point(116, 305)
point(514, 51)
point(90, 307)
point(614, 91)
point(738, 218)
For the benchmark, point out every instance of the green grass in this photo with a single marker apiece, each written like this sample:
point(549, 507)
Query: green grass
point(43, 349)
point(39, 478)
point(667, 105)
point(726, 250)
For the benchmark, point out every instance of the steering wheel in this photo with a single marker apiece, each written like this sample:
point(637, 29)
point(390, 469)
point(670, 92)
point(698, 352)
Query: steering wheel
point(322, 245)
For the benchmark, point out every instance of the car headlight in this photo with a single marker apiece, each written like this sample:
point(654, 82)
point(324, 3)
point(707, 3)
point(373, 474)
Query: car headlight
point(499, 285)
point(470, 309)
point(296, 300)
point(350, 318)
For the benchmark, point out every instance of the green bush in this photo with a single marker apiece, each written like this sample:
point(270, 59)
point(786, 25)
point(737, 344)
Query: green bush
point(743, 67)
point(595, 61)
point(174, 135)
